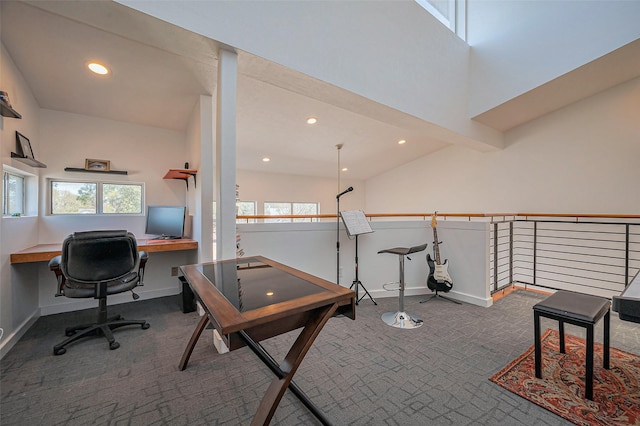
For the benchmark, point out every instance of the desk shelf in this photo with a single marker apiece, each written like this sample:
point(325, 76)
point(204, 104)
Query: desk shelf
point(30, 161)
point(182, 174)
point(7, 111)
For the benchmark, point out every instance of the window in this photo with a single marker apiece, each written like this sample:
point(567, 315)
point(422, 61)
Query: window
point(69, 197)
point(245, 208)
point(14, 200)
point(287, 208)
point(452, 13)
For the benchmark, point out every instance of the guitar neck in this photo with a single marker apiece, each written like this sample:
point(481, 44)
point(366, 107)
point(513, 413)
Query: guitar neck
point(436, 247)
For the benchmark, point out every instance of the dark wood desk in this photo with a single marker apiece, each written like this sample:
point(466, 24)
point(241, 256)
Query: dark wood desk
point(46, 252)
point(251, 299)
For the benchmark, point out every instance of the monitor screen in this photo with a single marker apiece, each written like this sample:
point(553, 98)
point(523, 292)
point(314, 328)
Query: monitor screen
point(165, 222)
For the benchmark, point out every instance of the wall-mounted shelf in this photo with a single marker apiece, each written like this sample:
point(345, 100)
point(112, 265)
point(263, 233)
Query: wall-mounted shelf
point(7, 111)
point(113, 172)
point(30, 161)
point(182, 174)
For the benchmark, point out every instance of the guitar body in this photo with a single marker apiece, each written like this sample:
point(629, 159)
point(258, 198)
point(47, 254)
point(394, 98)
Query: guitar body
point(438, 279)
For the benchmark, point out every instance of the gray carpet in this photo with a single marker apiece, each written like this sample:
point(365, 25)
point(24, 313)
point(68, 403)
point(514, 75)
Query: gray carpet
point(359, 372)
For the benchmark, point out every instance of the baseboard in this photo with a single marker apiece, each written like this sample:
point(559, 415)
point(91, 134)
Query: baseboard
point(9, 341)
point(423, 291)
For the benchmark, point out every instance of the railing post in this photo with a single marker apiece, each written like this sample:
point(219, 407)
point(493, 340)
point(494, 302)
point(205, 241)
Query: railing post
point(626, 256)
point(535, 250)
point(495, 256)
point(511, 253)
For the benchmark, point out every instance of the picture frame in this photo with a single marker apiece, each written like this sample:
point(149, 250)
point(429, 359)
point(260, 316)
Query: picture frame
point(97, 165)
point(23, 146)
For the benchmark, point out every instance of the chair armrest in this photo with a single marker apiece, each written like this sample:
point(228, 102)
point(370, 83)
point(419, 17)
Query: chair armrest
point(54, 265)
point(144, 256)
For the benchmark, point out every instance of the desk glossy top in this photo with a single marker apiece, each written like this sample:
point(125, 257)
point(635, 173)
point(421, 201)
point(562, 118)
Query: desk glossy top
point(243, 293)
point(252, 284)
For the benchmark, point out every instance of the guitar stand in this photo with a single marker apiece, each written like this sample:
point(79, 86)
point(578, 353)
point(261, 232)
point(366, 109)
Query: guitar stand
point(356, 282)
point(436, 295)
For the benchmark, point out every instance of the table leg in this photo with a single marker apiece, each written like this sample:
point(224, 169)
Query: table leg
point(537, 344)
point(561, 332)
point(589, 368)
point(192, 342)
point(291, 362)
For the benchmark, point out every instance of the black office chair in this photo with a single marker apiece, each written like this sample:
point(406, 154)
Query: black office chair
point(96, 264)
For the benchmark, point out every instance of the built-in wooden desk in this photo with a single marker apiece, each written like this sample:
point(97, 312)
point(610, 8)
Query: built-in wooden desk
point(46, 252)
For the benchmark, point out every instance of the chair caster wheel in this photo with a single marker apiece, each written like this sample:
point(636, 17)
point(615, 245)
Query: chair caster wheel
point(114, 345)
point(146, 325)
point(59, 351)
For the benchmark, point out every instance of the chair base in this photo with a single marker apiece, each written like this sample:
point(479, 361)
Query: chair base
point(401, 320)
point(101, 329)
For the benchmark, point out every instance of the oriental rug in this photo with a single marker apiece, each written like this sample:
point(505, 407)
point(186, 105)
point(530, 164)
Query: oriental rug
point(616, 392)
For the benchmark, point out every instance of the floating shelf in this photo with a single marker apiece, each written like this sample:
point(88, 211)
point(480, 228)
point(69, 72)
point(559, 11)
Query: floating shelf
point(113, 172)
point(182, 174)
point(7, 111)
point(30, 161)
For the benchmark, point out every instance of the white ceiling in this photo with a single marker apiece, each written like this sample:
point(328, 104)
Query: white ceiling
point(159, 71)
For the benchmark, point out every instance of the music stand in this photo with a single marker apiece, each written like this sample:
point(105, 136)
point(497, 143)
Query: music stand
point(356, 223)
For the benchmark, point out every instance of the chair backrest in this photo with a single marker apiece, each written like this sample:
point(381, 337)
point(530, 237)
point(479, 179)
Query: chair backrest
point(96, 256)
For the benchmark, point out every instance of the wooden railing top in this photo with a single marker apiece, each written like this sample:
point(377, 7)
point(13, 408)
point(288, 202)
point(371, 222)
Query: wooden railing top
point(371, 216)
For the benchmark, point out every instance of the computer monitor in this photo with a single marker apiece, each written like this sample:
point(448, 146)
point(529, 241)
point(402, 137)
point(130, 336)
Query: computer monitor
point(165, 222)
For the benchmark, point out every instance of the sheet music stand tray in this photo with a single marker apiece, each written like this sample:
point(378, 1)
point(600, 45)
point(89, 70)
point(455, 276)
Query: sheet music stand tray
point(356, 223)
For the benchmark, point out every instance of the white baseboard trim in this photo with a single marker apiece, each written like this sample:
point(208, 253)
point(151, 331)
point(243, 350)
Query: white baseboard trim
point(9, 342)
point(424, 291)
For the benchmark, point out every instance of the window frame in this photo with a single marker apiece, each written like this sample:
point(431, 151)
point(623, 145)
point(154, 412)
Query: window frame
point(291, 210)
point(5, 193)
point(99, 196)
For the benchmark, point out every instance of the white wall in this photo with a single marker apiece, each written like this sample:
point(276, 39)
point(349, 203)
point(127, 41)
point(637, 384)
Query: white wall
point(275, 187)
point(580, 159)
point(311, 247)
point(519, 45)
point(18, 295)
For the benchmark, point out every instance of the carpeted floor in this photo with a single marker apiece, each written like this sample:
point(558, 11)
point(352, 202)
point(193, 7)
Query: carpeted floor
point(359, 372)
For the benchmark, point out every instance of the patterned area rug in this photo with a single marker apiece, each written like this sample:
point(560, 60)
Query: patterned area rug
point(616, 392)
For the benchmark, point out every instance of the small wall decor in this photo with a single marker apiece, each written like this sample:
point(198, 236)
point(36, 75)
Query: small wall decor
point(24, 146)
point(99, 165)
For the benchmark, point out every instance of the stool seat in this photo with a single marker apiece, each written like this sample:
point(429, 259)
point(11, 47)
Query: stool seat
point(578, 309)
point(403, 251)
point(576, 306)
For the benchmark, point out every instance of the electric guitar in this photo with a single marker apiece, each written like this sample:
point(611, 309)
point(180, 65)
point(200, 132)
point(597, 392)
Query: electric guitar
point(439, 279)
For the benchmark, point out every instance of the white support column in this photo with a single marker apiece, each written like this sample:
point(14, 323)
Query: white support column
point(206, 181)
point(226, 154)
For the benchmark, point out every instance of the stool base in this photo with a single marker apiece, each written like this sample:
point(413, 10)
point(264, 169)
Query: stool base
point(401, 320)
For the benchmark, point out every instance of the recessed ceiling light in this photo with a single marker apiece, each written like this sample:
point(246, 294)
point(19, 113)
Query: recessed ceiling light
point(266, 159)
point(312, 120)
point(401, 142)
point(344, 169)
point(98, 68)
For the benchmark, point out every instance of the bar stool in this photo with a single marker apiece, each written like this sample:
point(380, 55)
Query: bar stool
point(402, 319)
point(578, 309)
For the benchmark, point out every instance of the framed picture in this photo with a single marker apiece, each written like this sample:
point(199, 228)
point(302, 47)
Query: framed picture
point(24, 146)
point(97, 165)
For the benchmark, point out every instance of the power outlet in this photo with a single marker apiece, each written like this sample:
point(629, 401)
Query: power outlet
point(174, 271)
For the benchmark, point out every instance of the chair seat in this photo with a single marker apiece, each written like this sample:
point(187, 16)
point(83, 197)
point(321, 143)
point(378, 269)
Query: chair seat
point(74, 289)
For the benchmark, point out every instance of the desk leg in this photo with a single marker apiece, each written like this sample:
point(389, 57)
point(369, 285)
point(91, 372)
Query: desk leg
point(192, 342)
point(289, 366)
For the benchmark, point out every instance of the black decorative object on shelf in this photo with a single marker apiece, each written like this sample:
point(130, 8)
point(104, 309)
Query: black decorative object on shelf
point(25, 152)
point(113, 172)
point(5, 107)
